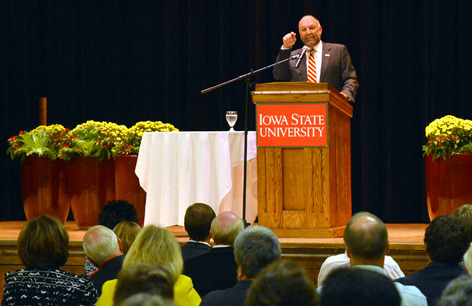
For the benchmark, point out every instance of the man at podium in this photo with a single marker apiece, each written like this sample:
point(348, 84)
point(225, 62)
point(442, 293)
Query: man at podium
point(317, 61)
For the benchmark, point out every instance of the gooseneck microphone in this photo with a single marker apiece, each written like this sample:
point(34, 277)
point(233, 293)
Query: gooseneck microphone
point(302, 55)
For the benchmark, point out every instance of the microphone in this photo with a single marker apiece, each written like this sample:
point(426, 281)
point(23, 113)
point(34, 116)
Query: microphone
point(304, 49)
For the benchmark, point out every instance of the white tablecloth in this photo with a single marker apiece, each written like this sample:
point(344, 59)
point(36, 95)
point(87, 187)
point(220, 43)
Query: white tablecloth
point(177, 169)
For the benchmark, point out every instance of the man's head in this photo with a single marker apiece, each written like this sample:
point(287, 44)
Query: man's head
point(463, 214)
point(282, 282)
point(116, 211)
point(366, 238)
point(445, 240)
point(197, 221)
point(101, 245)
point(143, 278)
point(354, 286)
point(310, 30)
point(254, 249)
point(225, 227)
point(458, 292)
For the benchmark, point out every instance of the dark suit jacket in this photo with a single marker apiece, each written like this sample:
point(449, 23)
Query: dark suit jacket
point(433, 279)
point(213, 270)
point(108, 272)
point(336, 69)
point(192, 249)
point(232, 297)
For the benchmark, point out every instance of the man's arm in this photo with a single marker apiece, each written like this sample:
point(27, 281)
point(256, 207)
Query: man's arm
point(349, 76)
point(281, 71)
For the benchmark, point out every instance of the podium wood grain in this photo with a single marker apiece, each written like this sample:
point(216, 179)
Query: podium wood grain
point(306, 191)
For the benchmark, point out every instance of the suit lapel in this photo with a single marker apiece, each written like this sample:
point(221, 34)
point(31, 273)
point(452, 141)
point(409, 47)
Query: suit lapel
point(325, 58)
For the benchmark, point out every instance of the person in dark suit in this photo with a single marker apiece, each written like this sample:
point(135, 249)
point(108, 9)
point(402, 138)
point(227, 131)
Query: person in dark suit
point(254, 249)
point(197, 223)
point(446, 243)
point(217, 268)
point(103, 248)
point(332, 61)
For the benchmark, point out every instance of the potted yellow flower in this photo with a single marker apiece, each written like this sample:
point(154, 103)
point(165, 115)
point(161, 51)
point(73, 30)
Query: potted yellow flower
point(448, 164)
point(126, 152)
point(91, 169)
point(43, 173)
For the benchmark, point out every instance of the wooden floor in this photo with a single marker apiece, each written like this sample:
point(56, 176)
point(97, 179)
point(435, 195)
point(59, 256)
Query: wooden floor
point(406, 247)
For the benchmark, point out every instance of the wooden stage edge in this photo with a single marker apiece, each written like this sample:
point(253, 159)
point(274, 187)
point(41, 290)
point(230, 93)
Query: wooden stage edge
point(406, 247)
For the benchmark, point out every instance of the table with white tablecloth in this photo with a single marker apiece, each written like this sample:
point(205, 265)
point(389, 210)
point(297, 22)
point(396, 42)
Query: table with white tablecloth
point(177, 169)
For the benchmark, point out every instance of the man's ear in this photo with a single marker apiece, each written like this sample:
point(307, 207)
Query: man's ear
point(348, 253)
point(240, 273)
point(120, 244)
point(387, 248)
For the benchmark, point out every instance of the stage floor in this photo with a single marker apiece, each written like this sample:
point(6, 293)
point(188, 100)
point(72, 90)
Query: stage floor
point(406, 247)
point(400, 235)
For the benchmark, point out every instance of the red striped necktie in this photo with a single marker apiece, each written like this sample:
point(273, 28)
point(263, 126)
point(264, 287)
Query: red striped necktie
point(311, 74)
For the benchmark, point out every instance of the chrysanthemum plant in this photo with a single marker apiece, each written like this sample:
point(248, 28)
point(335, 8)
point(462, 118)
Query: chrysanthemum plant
point(46, 141)
point(93, 138)
point(131, 140)
point(447, 136)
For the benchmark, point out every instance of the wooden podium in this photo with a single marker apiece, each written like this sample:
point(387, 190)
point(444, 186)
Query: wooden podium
point(306, 191)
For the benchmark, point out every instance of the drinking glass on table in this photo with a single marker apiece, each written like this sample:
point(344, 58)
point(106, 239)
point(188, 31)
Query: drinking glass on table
point(231, 118)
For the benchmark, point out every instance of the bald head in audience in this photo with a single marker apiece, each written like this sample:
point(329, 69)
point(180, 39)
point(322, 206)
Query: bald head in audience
point(101, 245)
point(225, 227)
point(366, 240)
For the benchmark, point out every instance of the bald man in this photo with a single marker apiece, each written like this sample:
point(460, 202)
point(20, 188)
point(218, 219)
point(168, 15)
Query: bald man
point(332, 61)
point(366, 240)
point(217, 269)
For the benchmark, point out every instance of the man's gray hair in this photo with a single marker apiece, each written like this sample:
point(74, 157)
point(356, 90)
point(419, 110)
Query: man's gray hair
point(458, 292)
point(99, 243)
point(255, 248)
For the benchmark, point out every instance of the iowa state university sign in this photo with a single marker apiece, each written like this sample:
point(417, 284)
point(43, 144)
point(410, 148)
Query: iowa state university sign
point(292, 125)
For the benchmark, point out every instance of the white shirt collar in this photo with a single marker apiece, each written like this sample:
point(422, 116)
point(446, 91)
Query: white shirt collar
point(202, 242)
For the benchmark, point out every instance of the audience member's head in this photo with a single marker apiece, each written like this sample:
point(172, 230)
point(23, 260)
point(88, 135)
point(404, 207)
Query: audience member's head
point(366, 238)
point(226, 227)
point(114, 212)
point(464, 215)
point(144, 278)
point(101, 245)
point(156, 246)
point(127, 232)
point(254, 249)
point(282, 282)
point(445, 240)
point(43, 243)
point(354, 286)
point(146, 299)
point(197, 221)
point(458, 292)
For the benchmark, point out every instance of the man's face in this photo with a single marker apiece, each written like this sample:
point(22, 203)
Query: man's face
point(310, 31)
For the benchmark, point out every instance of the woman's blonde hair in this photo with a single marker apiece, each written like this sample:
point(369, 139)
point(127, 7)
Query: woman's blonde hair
point(127, 231)
point(157, 246)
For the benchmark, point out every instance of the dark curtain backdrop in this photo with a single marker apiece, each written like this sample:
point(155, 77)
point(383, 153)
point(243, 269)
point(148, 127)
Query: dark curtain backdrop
point(127, 61)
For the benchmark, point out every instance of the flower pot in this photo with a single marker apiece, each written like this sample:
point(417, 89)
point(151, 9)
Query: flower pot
point(448, 183)
point(91, 186)
point(44, 188)
point(127, 184)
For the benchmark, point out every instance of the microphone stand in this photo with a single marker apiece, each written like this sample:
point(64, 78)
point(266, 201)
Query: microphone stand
point(247, 77)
